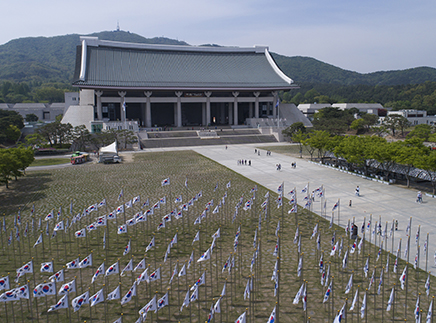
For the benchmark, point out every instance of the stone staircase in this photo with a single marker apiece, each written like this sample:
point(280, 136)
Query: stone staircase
point(222, 136)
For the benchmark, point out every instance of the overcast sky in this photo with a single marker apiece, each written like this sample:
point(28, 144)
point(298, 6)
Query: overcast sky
point(363, 36)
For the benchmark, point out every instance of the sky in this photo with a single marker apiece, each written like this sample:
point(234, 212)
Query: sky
point(362, 36)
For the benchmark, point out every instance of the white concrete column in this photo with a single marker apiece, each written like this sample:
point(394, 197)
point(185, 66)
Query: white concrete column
point(99, 111)
point(122, 94)
point(148, 109)
point(230, 113)
point(275, 94)
point(142, 107)
point(222, 114)
point(207, 94)
point(203, 114)
point(256, 105)
point(178, 112)
point(235, 108)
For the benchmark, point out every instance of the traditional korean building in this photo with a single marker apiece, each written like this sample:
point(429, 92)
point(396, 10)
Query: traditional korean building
point(130, 85)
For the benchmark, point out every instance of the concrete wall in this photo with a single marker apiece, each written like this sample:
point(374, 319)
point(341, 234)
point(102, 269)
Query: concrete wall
point(71, 98)
point(87, 97)
point(78, 115)
point(44, 111)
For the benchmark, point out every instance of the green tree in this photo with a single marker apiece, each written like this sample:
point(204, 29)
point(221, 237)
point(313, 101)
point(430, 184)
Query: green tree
point(23, 157)
point(63, 132)
point(428, 164)
point(11, 123)
point(297, 99)
point(310, 96)
point(81, 137)
point(333, 120)
point(123, 137)
point(34, 140)
point(299, 138)
point(6, 166)
point(358, 125)
point(355, 149)
point(409, 155)
point(294, 128)
point(403, 123)
point(56, 132)
point(384, 152)
point(319, 140)
point(394, 122)
point(12, 133)
point(370, 120)
point(421, 131)
point(127, 137)
point(13, 162)
point(31, 117)
point(333, 143)
point(49, 94)
point(390, 123)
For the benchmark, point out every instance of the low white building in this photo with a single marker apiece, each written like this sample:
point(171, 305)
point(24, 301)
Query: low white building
point(415, 117)
point(371, 108)
point(309, 109)
point(45, 112)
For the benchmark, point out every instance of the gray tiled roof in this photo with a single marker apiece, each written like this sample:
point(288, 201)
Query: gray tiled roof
point(149, 68)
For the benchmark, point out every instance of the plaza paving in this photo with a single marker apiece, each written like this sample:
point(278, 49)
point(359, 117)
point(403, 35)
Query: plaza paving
point(388, 201)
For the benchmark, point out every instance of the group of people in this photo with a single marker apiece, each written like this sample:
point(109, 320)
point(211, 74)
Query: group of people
point(244, 162)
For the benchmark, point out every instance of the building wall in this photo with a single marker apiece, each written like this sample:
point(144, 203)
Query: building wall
point(78, 115)
point(71, 98)
point(44, 111)
point(410, 113)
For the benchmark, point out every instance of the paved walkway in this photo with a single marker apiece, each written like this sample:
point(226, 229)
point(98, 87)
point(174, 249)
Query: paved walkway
point(376, 199)
point(388, 201)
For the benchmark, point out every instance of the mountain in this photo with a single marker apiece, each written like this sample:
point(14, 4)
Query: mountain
point(310, 70)
point(52, 59)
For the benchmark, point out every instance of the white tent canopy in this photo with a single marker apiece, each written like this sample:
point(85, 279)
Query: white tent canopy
point(111, 149)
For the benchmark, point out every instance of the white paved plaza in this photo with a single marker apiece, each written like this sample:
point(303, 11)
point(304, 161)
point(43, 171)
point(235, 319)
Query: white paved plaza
point(388, 201)
point(377, 199)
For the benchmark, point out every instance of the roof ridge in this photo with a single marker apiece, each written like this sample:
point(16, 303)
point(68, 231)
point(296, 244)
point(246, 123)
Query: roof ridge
point(94, 41)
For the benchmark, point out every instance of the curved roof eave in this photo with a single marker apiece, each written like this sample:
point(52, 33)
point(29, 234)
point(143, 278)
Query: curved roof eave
point(187, 88)
point(276, 68)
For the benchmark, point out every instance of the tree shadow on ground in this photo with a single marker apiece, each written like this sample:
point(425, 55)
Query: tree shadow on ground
point(23, 192)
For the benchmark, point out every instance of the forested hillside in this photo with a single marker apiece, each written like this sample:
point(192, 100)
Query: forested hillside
point(52, 59)
point(411, 96)
point(40, 70)
point(309, 70)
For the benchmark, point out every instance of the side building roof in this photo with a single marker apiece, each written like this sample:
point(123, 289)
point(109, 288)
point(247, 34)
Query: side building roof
point(107, 64)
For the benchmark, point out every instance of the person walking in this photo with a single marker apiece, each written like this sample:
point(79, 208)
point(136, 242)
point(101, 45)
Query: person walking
point(419, 197)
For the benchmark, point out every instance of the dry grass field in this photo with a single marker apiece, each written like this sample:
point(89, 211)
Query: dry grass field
point(88, 184)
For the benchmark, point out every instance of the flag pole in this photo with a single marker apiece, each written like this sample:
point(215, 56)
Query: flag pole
point(332, 296)
point(426, 252)
point(169, 308)
point(278, 280)
point(407, 271)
